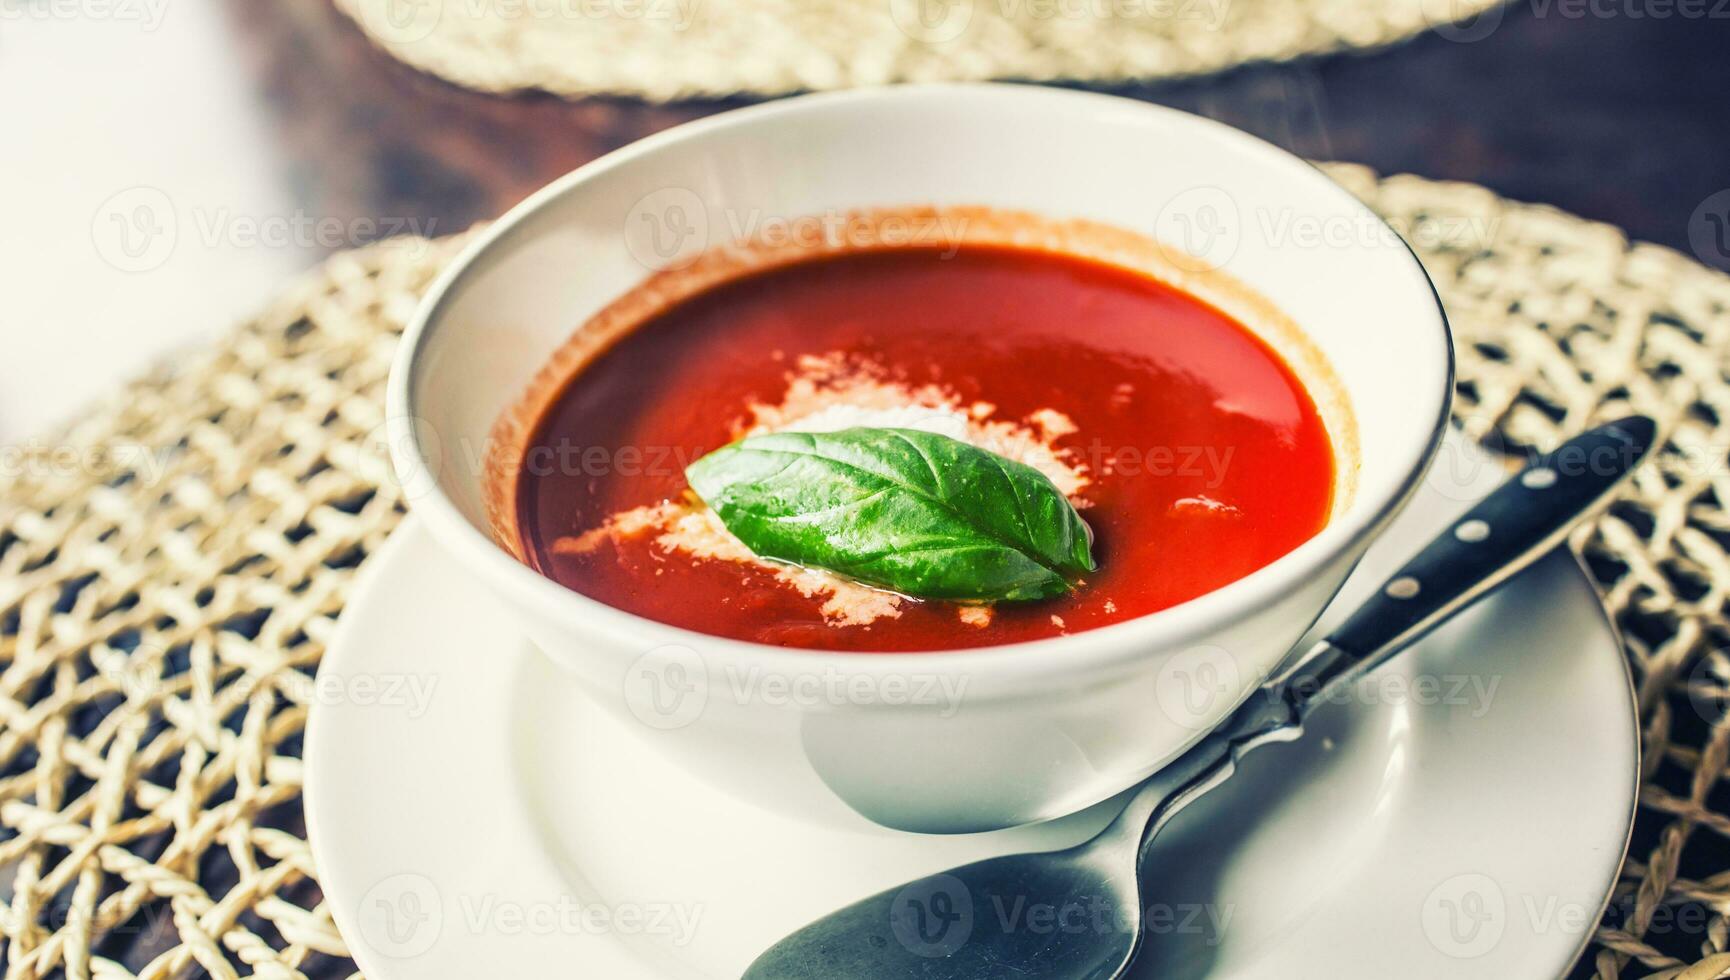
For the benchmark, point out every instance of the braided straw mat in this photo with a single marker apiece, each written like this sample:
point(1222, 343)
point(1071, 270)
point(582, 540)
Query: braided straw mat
point(670, 49)
point(172, 567)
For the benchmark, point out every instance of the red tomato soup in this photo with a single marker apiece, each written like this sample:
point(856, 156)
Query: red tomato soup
point(1187, 444)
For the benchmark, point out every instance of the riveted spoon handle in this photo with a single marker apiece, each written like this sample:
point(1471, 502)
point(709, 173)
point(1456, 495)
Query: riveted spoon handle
point(1516, 525)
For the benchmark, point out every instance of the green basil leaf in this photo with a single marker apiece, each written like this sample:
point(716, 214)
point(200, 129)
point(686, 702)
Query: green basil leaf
point(922, 514)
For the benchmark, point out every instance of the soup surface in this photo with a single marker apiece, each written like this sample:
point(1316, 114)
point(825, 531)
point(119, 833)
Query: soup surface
point(1187, 444)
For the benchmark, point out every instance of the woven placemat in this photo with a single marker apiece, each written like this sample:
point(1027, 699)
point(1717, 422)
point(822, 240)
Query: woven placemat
point(671, 49)
point(171, 569)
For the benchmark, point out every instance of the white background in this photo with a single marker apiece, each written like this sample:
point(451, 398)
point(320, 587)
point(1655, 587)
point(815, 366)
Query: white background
point(100, 101)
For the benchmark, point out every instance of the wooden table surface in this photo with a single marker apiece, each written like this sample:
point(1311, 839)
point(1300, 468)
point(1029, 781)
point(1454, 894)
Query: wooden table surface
point(1617, 118)
point(250, 114)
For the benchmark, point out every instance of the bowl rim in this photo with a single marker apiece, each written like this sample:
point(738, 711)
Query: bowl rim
point(1103, 648)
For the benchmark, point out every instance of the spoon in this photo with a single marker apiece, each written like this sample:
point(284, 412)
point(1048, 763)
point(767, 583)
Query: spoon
point(1076, 914)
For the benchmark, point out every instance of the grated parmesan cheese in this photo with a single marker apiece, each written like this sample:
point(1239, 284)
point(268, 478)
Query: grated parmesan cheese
point(979, 616)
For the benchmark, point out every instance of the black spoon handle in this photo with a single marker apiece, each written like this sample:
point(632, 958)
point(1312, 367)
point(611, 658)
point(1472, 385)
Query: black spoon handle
point(1519, 523)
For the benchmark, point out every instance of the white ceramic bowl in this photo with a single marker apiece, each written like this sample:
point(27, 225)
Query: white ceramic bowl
point(952, 741)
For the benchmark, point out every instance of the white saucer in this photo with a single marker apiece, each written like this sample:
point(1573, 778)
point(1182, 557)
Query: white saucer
point(471, 817)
